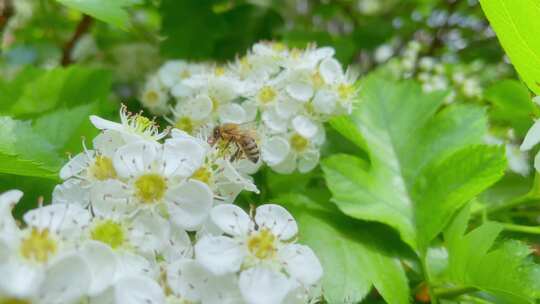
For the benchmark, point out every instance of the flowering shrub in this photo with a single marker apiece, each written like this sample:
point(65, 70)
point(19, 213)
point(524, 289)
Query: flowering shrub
point(123, 223)
point(269, 152)
point(284, 94)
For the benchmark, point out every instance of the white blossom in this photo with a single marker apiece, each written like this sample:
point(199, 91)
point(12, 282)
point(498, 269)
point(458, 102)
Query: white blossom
point(261, 250)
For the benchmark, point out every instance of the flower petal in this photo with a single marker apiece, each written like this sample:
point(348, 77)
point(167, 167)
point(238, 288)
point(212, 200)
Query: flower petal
point(286, 108)
point(330, 70)
point(77, 164)
point(186, 278)
point(308, 160)
point(301, 263)
point(189, 204)
point(277, 219)
point(304, 126)
point(274, 150)
point(273, 121)
point(102, 264)
point(300, 91)
point(222, 290)
point(20, 279)
point(111, 198)
point(260, 285)
point(232, 113)
point(149, 231)
point(108, 142)
point(532, 138)
point(64, 219)
point(134, 158)
point(178, 246)
point(8, 226)
point(138, 290)
point(132, 265)
point(287, 166)
point(61, 285)
point(71, 192)
point(219, 254)
point(198, 108)
point(104, 124)
point(231, 219)
point(325, 101)
point(182, 156)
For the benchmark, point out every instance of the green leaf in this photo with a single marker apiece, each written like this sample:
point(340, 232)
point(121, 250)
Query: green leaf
point(39, 148)
point(512, 105)
point(205, 30)
point(346, 127)
point(67, 87)
point(65, 127)
point(444, 187)
point(475, 260)
point(354, 255)
point(109, 11)
point(517, 26)
point(24, 152)
point(421, 164)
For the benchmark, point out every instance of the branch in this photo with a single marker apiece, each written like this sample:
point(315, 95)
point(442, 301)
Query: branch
point(82, 28)
point(6, 11)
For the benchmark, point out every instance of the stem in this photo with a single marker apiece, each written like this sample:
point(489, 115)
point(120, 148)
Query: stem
point(82, 28)
point(511, 204)
point(427, 278)
point(521, 228)
point(453, 291)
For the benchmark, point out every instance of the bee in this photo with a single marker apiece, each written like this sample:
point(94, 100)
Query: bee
point(244, 140)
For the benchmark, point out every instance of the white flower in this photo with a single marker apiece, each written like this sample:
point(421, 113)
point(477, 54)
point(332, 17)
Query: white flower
point(154, 97)
point(217, 171)
point(151, 176)
point(262, 250)
point(87, 169)
point(132, 127)
point(193, 113)
point(37, 262)
point(132, 290)
point(293, 151)
point(172, 72)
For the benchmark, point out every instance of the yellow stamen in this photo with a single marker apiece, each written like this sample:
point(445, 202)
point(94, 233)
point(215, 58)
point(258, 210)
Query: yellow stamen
point(150, 188)
point(151, 97)
point(298, 142)
point(267, 94)
point(202, 174)
point(219, 71)
point(38, 246)
point(108, 232)
point(185, 124)
point(317, 79)
point(102, 168)
point(345, 90)
point(262, 244)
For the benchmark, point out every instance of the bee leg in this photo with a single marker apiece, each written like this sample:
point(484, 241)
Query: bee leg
point(236, 154)
point(225, 147)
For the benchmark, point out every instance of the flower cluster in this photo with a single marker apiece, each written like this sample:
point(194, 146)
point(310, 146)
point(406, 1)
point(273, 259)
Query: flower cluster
point(146, 217)
point(463, 80)
point(283, 94)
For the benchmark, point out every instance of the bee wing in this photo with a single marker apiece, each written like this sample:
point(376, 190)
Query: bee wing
point(250, 129)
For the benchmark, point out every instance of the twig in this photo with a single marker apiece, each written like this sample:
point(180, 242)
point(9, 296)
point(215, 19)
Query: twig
point(82, 28)
point(6, 11)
